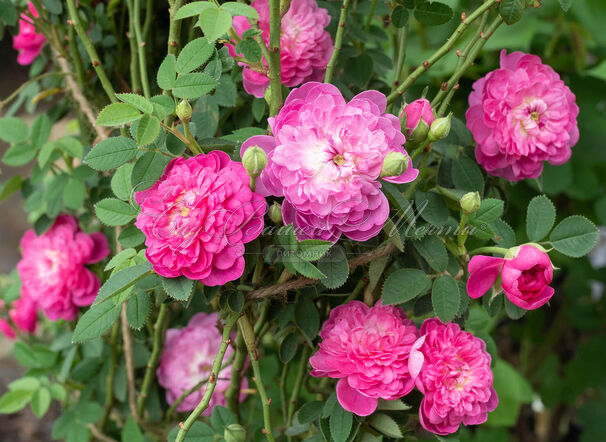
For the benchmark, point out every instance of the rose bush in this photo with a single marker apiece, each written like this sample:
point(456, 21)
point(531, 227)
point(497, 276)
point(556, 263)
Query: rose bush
point(298, 220)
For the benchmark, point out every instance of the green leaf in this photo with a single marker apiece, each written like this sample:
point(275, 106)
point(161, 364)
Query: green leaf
point(192, 9)
point(8, 13)
point(194, 54)
point(335, 266)
point(131, 237)
point(180, 288)
point(404, 285)
point(141, 103)
point(27, 383)
point(138, 309)
point(14, 401)
point(504, 234)
point(163, 106)
point(120, 258)
point(386, 425)
point(565, 4)
point(258, 108)
point(120, 281)
point(113, 212)
point(214, 22)
point(540, 217)
point(74, 194)
point(433, 13)
point(399, 16)
point(490, 210)
point(71, 146)
point(41, 129)
point(193, 85)
point(307, 317)
point(250, 49)
point(511, 10)
point(466, 175)
point(117, 114)
point(10, 186)
point(167, 73)
point(240, 9)
point(40, 402)
point(120, 183)
point(433, 250)
point(445, 298)
point(13, 130)
point(574, 236)
point(310, 411)
point(513, 311)
point(598, 71)
point(288, 348)
point(376, 269)
point(147, 170)
point(221, 417)
point(393, 405)
point(96, 321)
point(313, 249)
point(513, 390)
point(148, 130)
point(341, 422)
point(131, 431)
point(19, 154)
point(111, 153)
point(306, 268)
point(432, 208)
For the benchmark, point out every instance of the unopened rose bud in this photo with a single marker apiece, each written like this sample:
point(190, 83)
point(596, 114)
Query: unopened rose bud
point(419, 134)
point(254, 161)
point(415, 120)
point(439, 129)
point(183, 111)
point(470, 202)
point(234, 433)
point(275, 214)
point(394, 164)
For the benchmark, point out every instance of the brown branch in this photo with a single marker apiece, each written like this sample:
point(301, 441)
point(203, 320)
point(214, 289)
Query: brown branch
point(99, 435)
point(130, 366)
point(279, 289)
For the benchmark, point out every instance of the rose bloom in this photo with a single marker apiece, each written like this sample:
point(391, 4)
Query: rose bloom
point(187, 359)
point(525, 277)
point(198, 217)
point(325, 157)
point(28, 42)
point(53, 272)
point(452, 369)
point(23, 316)
point(520, 116)
point(367, 349)
point(305, 45)
point(416, 110)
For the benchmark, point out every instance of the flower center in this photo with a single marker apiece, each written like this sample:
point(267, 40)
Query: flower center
point(534, 115)
point(338, 159)
point(184, 211)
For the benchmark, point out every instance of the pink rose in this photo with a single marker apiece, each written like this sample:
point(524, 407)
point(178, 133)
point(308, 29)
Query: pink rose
point(23, 314)
point(325, 158)
point(53, 272)
point(416, 110)
point(187, 359)
point(28, 42)
point(305, 45)
point(525, 278)
point(198, 217)
point(452, 369)
point(520, 116)
point(367, 349)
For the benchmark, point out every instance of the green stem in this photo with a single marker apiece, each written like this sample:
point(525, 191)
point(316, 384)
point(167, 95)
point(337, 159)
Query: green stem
point(158, 342)
point(494, 250)
point(371, 14)
point(442, 51)
point(461, 233)
point(232, 394)
point(149, 14)
point(111, 374)
point(17, 91)
point(135, 78)
point(400, 60)
point(73, 48)
point(338, 42)
point(141, 49)
point(91, 51)
point(283, 378)
point(298, 383)
point(174, 27)
point(228, 325)
point(275, 67)
point(192, 143)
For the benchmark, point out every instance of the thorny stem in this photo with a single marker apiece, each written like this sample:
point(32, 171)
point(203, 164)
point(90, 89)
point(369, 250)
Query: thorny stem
point(371, 14)
point(141, 48)
point(130, 366)
point(338, 42)
point(232, 394)
point(229, 323)
point(135, 78)
point(298, 384)
point(111, 374)
point(275, 67)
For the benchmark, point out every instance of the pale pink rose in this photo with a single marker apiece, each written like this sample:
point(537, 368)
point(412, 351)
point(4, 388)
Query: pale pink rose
point(53, 272)
point(451, 368)
point(367, 349)
point(525, 277)
point(6, 329)
point(305, 46)
point(520, 116)
point(198, 217)
point(416, 110)
point(187, 359)
point(325, 158)
point(28, 42)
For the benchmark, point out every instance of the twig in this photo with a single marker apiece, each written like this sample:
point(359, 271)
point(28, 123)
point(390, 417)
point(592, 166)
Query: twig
point(141, 49)
point(279, 289)
point(338, 42)
point(130, 366)
point(229, 323)
point(109, 382)
point(275, 66)
point(99, 434)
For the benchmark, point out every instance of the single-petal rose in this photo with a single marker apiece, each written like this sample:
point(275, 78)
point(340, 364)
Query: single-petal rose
point(521, 115)
point(53, 272)
point(305, 45)
point(526, 278)
point(325, 158)
point(197, 218)
point(367, 349)
point(451, 368)
point(420, 108)
point(187, 359)
point(28, 42)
